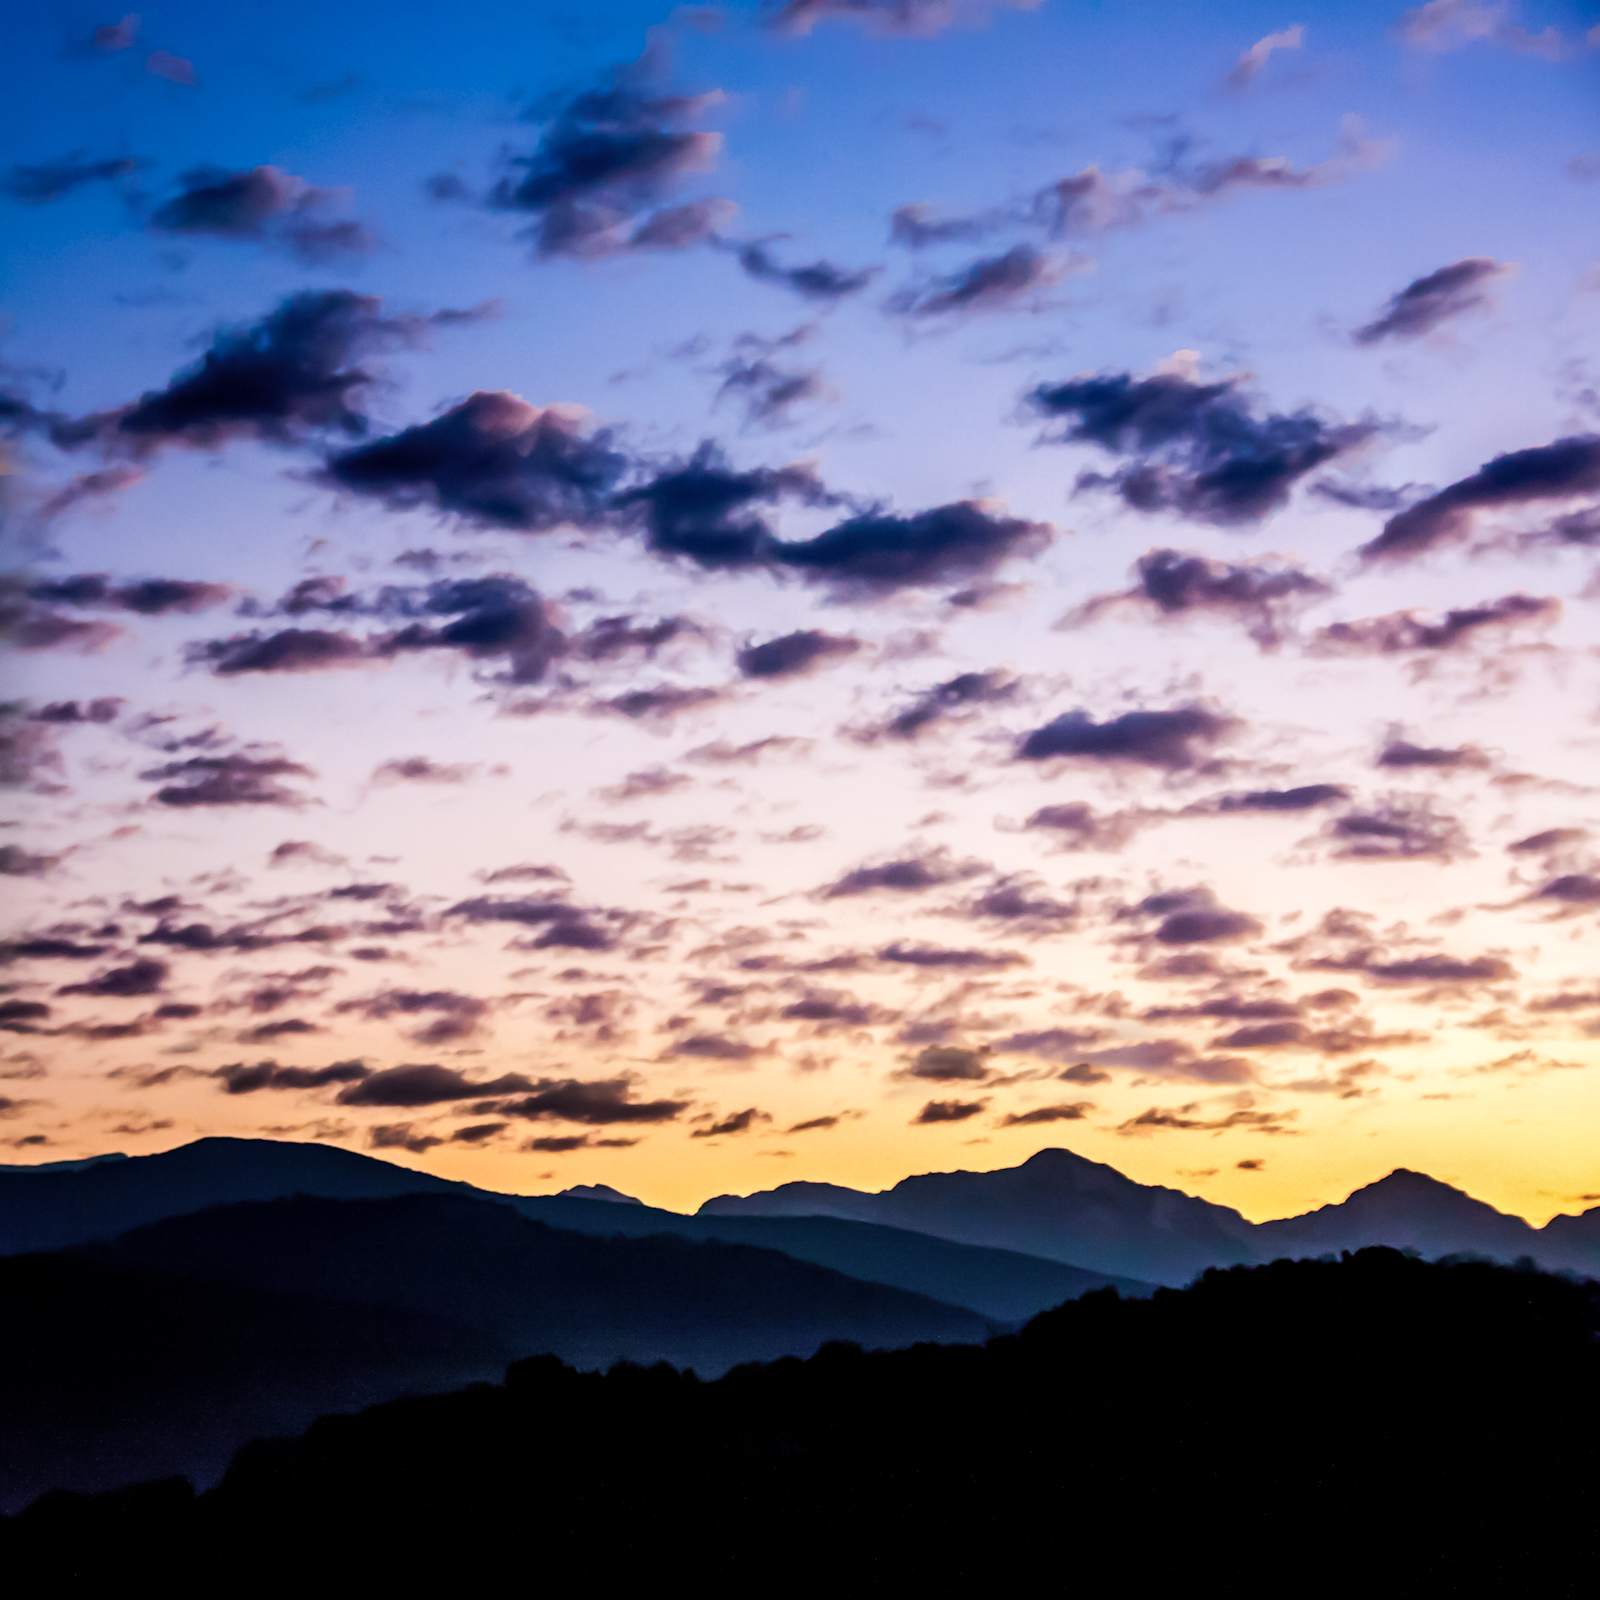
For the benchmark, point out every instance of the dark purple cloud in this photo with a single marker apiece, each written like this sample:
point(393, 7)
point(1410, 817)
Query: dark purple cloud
point(1192, 916)
point(820, 280)
point(137, 978)
point(1172, 740)
point(242, 1079)
point(991, 283)
point(494, 460)
point(1398, 828)
point(1404, 755)
point(287, 650)
point(881, 552)
point(941, 958)
point(1559, 471)
point(285, 379)
point(147, 597)
point(598, 1102)
point(1304, 797)
point(1401, 632)
point(1075, 1111)
point(948, 1111)
point(911, 874)
point(230, 780)
point(1075, 825)
point(942, 703)
point(1422, 305)
point(1261, 596)
point(456, 1016)
point(264, 206)
point(54, 180)
point(915, 18)
point(734, 1122)
point(426, 1084)
point(603, 161)
point(562, 925)
point(1200, 449)
point(795, 654)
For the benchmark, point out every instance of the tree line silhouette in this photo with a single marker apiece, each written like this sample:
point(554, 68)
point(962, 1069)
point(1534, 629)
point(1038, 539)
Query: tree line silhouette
point(1303, 1427)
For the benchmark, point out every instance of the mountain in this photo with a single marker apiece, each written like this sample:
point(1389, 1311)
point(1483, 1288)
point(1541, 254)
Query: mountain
point(173, 1344)
point(46, 1210)
point(60, 1208)
point(598, 1191)
point(1056, 1204)
point(1005, 1285)
point(1065, 1207)
point(1409, 1211)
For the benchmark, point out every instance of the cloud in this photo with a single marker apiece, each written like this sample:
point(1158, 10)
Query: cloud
point(941, 704)
point(734, 1122)
point(794, 654)
point(1074, 1111)
point(1440, 969)
point(565, 926)
point(1164, 739)
point(604, 160)
point(991, 283)
point(1185, 1119)
point(1304, 797)
point(1199, 449)
point(1256, 57)
point(880, 552)
point(821, 280)
point(598, 1102)
point(716, 1047)
point(15, 862)
point(1402, 632)
point(814, 1125)
point(147, 597)
point(1261, 596)
point(1192, 916)
point(1558, 471)
point(262, 205)
point(910, 874)
point(73, 711)
point(175, 69)
point(401, 1136)
point(1398, 828)
point(932, 957)
point(827, 1009)
point(1402, 754)
point(123, 983)
point(230, 780)
point(425, 1084)
point(944, 1063)
point(1422, 305)
point(915, 227)
point(494, 460)
point(456, 1016)
point(54, 180)
point(1017, 900)
point(241, 1079)
point(1449, 24)
point(287, 650)
point(948, 1111)
point(661, 703)
point(769, 392)
point(705, 511)
point(1075, 825)
point(422, 769)
point(285, 379)
point(908, 18)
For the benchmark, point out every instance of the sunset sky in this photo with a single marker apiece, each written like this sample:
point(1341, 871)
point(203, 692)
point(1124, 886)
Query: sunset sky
point(695, 598)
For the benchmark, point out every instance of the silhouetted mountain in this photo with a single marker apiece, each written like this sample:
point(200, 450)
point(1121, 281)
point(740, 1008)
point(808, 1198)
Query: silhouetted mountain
point(1372, 1425)
point(1057, 1204)
point(283, 1307)
point(1408, 1211)
point(1060, 1205)
point(598, 1191)
point(61, 1208)
point(50, 1210)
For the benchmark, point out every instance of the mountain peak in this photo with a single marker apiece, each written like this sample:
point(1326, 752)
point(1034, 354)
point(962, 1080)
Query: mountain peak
point(598, 1191)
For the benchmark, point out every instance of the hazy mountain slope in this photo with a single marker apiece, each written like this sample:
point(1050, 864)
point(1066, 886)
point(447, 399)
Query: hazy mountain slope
point(591, 1300)
point(1056, 1205)
point(1003, 1284)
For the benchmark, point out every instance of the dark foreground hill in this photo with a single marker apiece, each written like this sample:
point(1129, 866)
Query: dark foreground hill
point(167, 1348)
point(70, 1204)
point(1375, 1425)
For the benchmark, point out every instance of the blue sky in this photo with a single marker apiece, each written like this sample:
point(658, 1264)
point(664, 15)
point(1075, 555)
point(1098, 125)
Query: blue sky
point(1241, 216)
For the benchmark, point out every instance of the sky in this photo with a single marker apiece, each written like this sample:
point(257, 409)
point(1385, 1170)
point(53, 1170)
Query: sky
point(694, 598)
